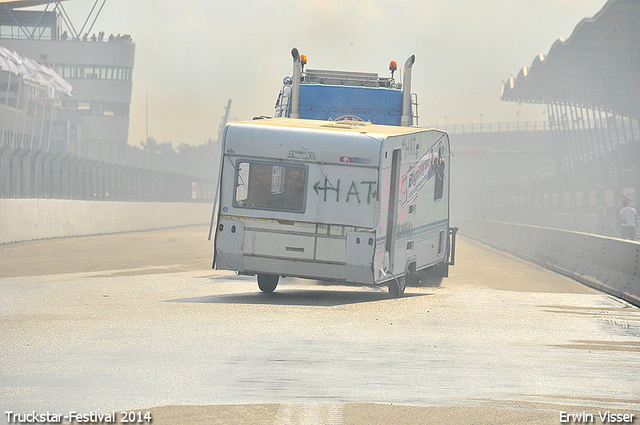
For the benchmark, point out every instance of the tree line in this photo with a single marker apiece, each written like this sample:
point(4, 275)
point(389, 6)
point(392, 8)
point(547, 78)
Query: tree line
point(184, 159)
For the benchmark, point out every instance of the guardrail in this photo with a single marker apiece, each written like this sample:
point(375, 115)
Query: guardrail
point(30, 219)
point(26, 173)
point(609, 264)
point(494, 127)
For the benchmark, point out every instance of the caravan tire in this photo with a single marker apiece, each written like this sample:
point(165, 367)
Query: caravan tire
point(396, 286)
point(267, 282)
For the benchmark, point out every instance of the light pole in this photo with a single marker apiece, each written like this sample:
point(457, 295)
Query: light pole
point(146, 135)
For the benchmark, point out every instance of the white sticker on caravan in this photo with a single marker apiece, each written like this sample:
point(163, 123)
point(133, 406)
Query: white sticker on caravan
point(304, 155)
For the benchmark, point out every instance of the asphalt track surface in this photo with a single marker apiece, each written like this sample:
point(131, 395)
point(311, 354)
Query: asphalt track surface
point(139, 322)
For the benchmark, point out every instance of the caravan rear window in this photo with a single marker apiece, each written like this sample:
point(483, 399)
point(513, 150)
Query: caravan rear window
point(270, 186)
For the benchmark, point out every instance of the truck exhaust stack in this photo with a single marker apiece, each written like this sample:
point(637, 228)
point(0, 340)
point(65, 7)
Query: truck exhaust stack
point(295, 87)
point(407, 117)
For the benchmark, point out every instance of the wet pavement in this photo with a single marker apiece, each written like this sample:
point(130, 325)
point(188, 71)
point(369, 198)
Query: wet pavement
point(500, 337)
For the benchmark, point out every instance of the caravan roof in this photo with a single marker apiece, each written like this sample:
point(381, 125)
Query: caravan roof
point(325, 141)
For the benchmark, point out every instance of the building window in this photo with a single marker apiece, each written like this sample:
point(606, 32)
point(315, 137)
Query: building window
point(24, 32)
point(94, 72)
point(107, 109)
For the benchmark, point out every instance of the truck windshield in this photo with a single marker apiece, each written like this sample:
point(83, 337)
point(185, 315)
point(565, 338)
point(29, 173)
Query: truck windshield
point(270, 186)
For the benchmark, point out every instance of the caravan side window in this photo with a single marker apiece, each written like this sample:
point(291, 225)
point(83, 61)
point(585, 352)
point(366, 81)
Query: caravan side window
point(439, 183)
point(439, 171)
point(270, 186)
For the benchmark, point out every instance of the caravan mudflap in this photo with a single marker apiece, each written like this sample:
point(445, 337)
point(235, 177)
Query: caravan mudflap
point(359, 254)
point(229, 253)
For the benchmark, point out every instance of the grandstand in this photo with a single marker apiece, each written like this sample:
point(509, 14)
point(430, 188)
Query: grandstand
point(590, 84)
point(94, 121)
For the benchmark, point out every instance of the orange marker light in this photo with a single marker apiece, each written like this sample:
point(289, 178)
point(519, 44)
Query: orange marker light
point(393, 66)
point(303, 59)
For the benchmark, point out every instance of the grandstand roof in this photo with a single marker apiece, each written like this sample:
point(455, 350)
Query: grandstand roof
point(16, 4)
point(598, 66)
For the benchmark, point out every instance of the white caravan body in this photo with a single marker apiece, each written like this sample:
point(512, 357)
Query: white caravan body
point(347, 201)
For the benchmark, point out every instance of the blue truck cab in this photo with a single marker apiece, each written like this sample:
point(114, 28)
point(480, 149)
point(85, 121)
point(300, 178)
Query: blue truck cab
point(347, 96)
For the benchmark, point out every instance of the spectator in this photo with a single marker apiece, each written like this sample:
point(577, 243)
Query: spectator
point(628, 216)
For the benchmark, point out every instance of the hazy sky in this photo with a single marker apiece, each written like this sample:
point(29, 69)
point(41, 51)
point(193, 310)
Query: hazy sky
point(191, 59)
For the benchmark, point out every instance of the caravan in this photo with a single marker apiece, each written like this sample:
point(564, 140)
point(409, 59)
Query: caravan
point(333, 200)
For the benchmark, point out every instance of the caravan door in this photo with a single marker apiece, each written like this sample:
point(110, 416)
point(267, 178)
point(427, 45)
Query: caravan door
point(392, 216)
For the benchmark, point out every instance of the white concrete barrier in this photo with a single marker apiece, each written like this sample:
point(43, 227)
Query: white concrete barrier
point(29, 219)
point(608, 264)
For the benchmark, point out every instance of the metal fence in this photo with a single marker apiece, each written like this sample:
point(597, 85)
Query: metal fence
point(26, 173)
point(494, 127)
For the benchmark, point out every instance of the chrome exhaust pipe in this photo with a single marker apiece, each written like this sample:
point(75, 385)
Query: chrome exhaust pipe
point(407, 117)
point(295, 87)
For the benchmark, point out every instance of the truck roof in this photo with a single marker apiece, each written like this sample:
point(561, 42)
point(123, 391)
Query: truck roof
point(324, 141)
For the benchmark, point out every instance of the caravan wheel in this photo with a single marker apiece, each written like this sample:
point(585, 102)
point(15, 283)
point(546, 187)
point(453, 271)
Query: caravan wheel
point(397, 286)
point(267, 282)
